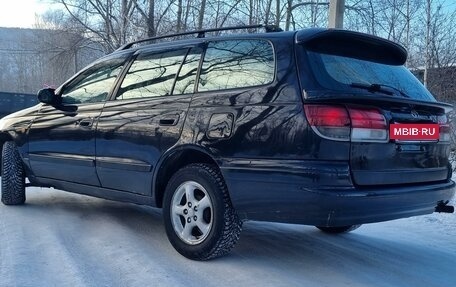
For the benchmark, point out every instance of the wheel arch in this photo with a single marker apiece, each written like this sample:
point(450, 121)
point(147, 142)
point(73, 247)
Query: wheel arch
point(4, 137)
point(172, 162)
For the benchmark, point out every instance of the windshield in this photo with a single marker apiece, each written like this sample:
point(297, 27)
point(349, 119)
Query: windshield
point(349, 74)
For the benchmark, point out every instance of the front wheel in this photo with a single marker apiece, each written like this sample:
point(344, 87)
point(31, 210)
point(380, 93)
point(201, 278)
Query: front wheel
point(13, 175)
point(338, 229)
point(200, 220)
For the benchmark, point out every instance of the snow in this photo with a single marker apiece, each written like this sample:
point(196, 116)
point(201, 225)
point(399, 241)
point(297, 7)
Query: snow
point(64, 239)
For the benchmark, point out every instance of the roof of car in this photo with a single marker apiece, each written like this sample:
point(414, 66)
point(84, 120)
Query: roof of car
point(336, 39)
point(193, 41)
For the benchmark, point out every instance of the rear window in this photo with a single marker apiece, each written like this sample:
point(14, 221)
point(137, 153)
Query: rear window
point(348, 74)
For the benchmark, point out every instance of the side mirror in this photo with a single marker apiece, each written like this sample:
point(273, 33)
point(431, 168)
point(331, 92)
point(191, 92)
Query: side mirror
point(47, 96)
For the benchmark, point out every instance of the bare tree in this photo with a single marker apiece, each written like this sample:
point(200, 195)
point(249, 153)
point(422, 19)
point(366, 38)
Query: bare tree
point(114, 22)
point(35, 58)
point(179, 16)
point(110, 21)
point(201, 14)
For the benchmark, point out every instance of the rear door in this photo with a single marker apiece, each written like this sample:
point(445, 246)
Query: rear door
point(364, 80)
point(403, 161)
point(145, 117)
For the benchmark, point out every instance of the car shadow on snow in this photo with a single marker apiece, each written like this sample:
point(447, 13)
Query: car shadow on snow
point(141, 220)
point(368, 257)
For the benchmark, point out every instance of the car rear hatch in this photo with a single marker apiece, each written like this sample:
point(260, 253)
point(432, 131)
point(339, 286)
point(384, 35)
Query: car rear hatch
point(356, 89)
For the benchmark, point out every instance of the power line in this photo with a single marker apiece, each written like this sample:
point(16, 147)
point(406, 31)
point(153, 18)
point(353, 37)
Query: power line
point(28, 51)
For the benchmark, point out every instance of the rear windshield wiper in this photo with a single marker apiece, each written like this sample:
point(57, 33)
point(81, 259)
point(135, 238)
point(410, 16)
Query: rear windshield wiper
point(379, 88)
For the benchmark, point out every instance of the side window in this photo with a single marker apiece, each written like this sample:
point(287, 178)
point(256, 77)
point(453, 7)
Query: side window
point(94, 84)
point(235, 64)
point(185, 82)
point(151, 75)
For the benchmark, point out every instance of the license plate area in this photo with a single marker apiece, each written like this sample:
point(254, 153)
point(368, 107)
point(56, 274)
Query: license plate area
point(414, 132)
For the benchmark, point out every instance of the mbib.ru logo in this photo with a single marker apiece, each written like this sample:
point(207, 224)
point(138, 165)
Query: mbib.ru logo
point(414, 131)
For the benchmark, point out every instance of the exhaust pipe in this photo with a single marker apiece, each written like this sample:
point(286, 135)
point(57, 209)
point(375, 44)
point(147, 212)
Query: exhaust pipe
point(443, 207)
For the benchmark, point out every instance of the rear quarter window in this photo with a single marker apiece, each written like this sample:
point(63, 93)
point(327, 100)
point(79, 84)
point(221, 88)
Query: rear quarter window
point(236, 64)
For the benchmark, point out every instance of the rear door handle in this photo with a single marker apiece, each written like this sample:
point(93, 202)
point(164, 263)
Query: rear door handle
point(86, 123)
point(170, 120)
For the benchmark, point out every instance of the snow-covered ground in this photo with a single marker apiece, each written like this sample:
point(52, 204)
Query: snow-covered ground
point(62, 239)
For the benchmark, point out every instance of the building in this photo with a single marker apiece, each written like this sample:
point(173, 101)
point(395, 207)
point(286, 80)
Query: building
point(441, 83)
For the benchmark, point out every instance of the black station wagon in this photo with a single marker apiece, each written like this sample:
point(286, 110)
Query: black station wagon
point(277, 126)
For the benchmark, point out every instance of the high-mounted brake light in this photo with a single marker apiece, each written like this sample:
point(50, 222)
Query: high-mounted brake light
point(344, 124)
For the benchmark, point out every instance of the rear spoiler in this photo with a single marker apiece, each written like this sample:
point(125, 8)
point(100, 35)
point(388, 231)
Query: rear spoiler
point(438, 107)
point(352, 44)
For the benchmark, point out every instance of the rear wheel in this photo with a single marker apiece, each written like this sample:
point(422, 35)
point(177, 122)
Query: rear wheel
point(338, 229)
point(13, 175)
point(200, 220)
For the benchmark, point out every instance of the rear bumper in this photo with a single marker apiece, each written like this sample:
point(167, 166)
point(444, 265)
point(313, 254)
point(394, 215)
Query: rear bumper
point(369, 206)
point(324, 197)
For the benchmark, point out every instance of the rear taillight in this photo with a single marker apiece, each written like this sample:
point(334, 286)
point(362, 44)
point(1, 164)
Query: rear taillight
point(445, 129)
point(331, 122)
point(355, 124)
point(368, 125)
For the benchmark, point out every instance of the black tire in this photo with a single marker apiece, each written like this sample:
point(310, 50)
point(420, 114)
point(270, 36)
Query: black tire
point(225, 224)
point(338, 229)
point(13, 175)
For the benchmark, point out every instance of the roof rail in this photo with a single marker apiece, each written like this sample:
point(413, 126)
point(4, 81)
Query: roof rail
point(201, 33)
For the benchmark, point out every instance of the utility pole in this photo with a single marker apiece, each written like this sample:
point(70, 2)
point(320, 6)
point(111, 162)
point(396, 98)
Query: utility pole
point(336, 14)
point(427, 58)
